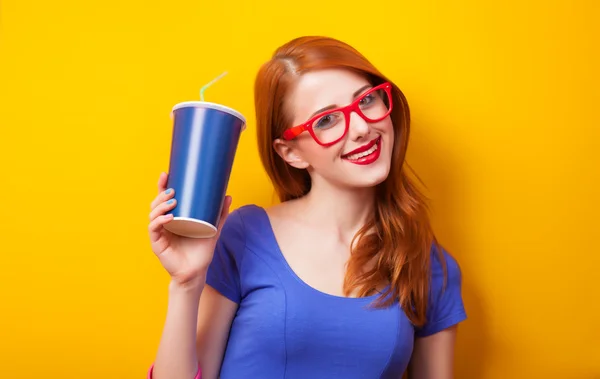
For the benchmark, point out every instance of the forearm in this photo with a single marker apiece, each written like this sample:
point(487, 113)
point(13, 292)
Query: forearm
point(176, 357)
point(433, 356)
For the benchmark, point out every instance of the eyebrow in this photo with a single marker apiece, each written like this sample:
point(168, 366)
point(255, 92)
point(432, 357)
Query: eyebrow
point(332, 106)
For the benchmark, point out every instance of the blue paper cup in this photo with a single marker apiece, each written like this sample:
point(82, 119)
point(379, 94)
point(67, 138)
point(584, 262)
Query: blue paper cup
point(204, 143)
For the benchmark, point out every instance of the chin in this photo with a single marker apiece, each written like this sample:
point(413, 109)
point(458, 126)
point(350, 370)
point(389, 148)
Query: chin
point(370, 174)
point(370, 182)
point(374, 177)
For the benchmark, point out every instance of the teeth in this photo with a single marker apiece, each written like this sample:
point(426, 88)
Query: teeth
point(354, 157)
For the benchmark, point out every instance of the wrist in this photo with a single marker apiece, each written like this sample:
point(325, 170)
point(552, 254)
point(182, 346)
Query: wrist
point(190, 287)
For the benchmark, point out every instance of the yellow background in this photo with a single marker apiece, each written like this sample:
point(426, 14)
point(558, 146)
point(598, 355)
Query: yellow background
point(504, 96)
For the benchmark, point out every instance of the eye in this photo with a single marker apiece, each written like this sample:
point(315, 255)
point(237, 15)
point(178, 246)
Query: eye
point(366, 100)
point(326, 121)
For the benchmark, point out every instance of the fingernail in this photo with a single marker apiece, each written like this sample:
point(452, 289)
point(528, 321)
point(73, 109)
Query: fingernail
point(168, 192)
point(170, 201)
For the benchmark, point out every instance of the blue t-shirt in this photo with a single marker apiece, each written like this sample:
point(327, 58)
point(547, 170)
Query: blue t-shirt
point(284, 328)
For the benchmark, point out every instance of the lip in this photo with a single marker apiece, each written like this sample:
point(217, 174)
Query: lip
point(369, 158)
point(363, 148)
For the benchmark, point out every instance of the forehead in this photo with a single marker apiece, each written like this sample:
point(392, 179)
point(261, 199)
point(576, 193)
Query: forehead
point(318, 89)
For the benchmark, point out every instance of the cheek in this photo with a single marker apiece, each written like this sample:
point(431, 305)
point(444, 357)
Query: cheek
point(322, 156)
point(388, 126)
point(319, 156)
point(388, 129)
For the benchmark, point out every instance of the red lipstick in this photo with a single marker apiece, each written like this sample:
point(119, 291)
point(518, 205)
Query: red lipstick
point(358, 156)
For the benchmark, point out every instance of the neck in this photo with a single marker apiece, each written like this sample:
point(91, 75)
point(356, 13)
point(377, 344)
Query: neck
point(342, 211)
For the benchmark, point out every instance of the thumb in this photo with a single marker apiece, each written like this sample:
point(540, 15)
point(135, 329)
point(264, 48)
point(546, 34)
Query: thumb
point(224, 212)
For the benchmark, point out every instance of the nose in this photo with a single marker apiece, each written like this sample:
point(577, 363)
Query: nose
point(358, 128)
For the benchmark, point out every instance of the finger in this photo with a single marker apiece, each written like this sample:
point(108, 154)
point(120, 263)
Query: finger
point(155, 227)
point(162, 182)
point(162, 197)
point(225, 211)
point(163, 208)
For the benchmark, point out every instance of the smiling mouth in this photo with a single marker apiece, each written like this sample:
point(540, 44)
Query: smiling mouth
point(366, 154)
point(363, 151)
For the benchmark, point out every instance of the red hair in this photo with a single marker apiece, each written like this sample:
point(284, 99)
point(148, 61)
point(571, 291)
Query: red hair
point(393, 249)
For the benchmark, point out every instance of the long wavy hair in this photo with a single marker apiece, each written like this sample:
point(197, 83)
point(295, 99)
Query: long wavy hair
point(393, 249)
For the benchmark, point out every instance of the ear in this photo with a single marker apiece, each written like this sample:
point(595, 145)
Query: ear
point(289, 153)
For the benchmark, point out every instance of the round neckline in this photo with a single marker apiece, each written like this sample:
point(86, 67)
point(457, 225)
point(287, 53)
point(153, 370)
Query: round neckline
point(291, 271)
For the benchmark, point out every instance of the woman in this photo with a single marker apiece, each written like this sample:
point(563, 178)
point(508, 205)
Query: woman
point(343, 278)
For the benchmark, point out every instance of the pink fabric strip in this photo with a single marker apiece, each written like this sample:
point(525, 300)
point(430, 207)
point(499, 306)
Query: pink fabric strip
point(198, 374)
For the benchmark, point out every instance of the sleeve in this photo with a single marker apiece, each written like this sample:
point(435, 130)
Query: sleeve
point(224, 270)
point(445, 307)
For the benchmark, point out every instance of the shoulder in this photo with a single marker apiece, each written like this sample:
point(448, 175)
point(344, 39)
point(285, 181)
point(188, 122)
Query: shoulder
point(241, 217)
point(247, 211)
point(444, 266)
point(234, 230)
point(225, 268)
point(243, 225)
point(445, 303)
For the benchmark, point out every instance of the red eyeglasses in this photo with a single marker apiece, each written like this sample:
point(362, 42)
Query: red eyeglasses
point(329, 127)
